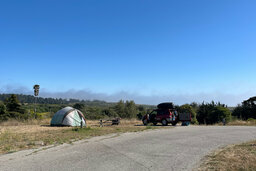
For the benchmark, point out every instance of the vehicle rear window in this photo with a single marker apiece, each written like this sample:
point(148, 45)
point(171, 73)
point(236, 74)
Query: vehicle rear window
point(163, 112)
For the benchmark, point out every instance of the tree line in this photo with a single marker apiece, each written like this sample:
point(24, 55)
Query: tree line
point(11, 107)
point(204, 113)
point(40, 100)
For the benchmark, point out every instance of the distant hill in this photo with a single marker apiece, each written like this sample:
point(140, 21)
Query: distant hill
point(40, 100)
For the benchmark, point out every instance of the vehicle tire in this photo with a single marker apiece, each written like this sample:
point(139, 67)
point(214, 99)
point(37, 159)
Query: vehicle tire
point(145, 122)
point(164, 122)
point(174, 123)
point(152, 118)
point(155, 123)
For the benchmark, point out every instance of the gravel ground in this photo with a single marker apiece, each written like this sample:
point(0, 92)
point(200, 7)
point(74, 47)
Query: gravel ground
point(181, 148)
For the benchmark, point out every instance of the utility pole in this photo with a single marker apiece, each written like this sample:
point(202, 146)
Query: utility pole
point(36, 92)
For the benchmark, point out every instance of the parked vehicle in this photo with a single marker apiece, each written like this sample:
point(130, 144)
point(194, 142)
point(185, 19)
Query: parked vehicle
point(165, 114)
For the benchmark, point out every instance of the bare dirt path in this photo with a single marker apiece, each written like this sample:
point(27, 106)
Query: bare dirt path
point(181, 148)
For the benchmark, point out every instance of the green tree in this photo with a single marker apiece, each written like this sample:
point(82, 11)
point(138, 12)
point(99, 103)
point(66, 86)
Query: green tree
point(212, 113)
point(141, 108)
point(120, 109)
point(246, 110)
point(93, 113)
point(3, 115)
point(110, 112)
point(2, 108)
point(14, 109)
point(202, 113)
point(130, 109)
point(78, 106)
point(13, 105)
point(239, 112)
point(220, 113)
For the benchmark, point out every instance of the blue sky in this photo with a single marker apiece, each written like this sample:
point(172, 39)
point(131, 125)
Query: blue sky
point(149, 51)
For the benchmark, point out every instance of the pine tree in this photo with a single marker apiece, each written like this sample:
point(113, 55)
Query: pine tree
point(13, 105)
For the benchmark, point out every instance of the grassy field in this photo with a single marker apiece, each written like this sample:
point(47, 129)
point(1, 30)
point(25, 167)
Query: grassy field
point(240, 157)
point(15, 136)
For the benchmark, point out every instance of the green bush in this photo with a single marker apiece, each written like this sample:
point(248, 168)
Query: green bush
point(212, 113)
point(251, 120)
point(39, 115)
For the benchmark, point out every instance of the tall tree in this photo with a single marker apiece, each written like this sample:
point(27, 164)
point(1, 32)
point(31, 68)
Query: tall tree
point(246, 110)
point(130, 109)
point(13, 105)
point(120, 109)
point(3, 115)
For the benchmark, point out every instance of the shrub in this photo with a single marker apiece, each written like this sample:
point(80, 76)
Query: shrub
point(251, 119)
point(212, 113)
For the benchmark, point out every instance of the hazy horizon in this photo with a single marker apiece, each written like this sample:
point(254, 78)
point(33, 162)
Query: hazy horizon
point(153, 99)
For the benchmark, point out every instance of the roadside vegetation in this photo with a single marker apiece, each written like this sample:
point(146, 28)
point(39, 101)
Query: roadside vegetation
point(21, 107)
point(232, 158)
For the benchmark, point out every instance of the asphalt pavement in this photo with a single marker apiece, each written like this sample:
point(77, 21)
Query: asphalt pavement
point(179, 148)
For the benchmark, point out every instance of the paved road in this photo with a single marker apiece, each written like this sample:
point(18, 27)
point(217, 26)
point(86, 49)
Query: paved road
point(180, 148)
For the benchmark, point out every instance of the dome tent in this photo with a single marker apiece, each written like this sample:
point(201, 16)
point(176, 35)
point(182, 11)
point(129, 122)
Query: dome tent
point(68, 116)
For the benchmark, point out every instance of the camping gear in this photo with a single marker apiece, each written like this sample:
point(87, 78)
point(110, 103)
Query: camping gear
point(184, 116)
point(114, 121)
point(68, 116)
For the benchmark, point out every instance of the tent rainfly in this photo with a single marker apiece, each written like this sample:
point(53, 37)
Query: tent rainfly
point(68, 116)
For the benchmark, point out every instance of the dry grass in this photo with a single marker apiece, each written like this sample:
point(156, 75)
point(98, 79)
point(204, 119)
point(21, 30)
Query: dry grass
point(26, 122)
point(232, 158)
point(240, 123)
point(243, 123)
point(16, 135)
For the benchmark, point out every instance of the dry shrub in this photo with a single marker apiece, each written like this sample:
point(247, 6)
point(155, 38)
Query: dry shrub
point(242, 123)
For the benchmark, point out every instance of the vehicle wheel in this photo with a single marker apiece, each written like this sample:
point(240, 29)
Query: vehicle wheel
point(155, 123)
point(174, 123)
point(145, 121)
point(164, 122)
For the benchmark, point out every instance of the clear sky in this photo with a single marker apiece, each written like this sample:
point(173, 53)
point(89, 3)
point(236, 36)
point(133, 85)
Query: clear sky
point(149, 51)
